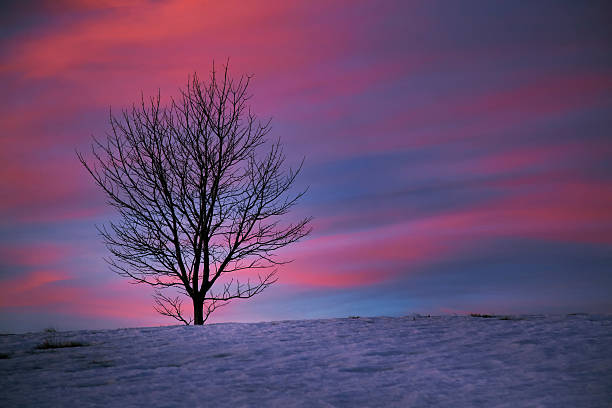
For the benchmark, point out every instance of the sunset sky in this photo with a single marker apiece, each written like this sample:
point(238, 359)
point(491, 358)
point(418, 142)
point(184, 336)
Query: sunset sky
point(458, 153)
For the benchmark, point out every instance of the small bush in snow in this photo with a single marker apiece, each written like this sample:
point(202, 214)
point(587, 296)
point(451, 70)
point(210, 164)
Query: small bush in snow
point(53, 344)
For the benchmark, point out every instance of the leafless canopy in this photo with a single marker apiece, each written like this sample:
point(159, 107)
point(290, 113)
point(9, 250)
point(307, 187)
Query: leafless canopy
point(200, 192)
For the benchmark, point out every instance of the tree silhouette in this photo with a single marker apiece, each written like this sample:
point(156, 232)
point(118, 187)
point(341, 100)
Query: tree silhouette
point(200, 193)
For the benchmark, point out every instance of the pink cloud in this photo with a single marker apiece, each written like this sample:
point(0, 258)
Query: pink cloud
point(475, 117)
point(571, 211)
point(49, 191)
point(542, 96)
point(576, 212)
point(363, 257)
point(58, 291)
point(530, 157)
point(316, 275)
point(34, 255)
point(144, 32)
point(32, 289)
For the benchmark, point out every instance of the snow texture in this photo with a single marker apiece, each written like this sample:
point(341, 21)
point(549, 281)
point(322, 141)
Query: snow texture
point(414, 361)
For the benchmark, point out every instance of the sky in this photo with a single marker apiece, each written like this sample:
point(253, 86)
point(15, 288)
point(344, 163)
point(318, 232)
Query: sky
point(457, 153)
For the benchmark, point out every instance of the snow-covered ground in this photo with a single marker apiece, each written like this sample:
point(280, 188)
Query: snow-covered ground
point(452, 361)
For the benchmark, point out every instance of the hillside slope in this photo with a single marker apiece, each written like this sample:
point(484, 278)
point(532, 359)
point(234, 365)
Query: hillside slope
point(459, 361)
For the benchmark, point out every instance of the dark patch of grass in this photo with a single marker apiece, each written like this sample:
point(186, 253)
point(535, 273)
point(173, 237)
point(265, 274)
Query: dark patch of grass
point(484, 316)
point(4, 356)
point(511, 318)
point(53, 344)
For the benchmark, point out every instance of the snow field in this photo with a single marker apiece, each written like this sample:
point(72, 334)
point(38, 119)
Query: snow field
point(413, 361)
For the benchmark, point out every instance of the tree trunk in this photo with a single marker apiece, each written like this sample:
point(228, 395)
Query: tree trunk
point(198, 311)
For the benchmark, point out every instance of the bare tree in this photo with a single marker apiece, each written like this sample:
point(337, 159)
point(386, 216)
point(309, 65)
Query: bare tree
point(200, 193)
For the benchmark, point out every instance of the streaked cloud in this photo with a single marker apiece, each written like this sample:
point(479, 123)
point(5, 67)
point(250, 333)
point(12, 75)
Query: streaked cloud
point(447, 146)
